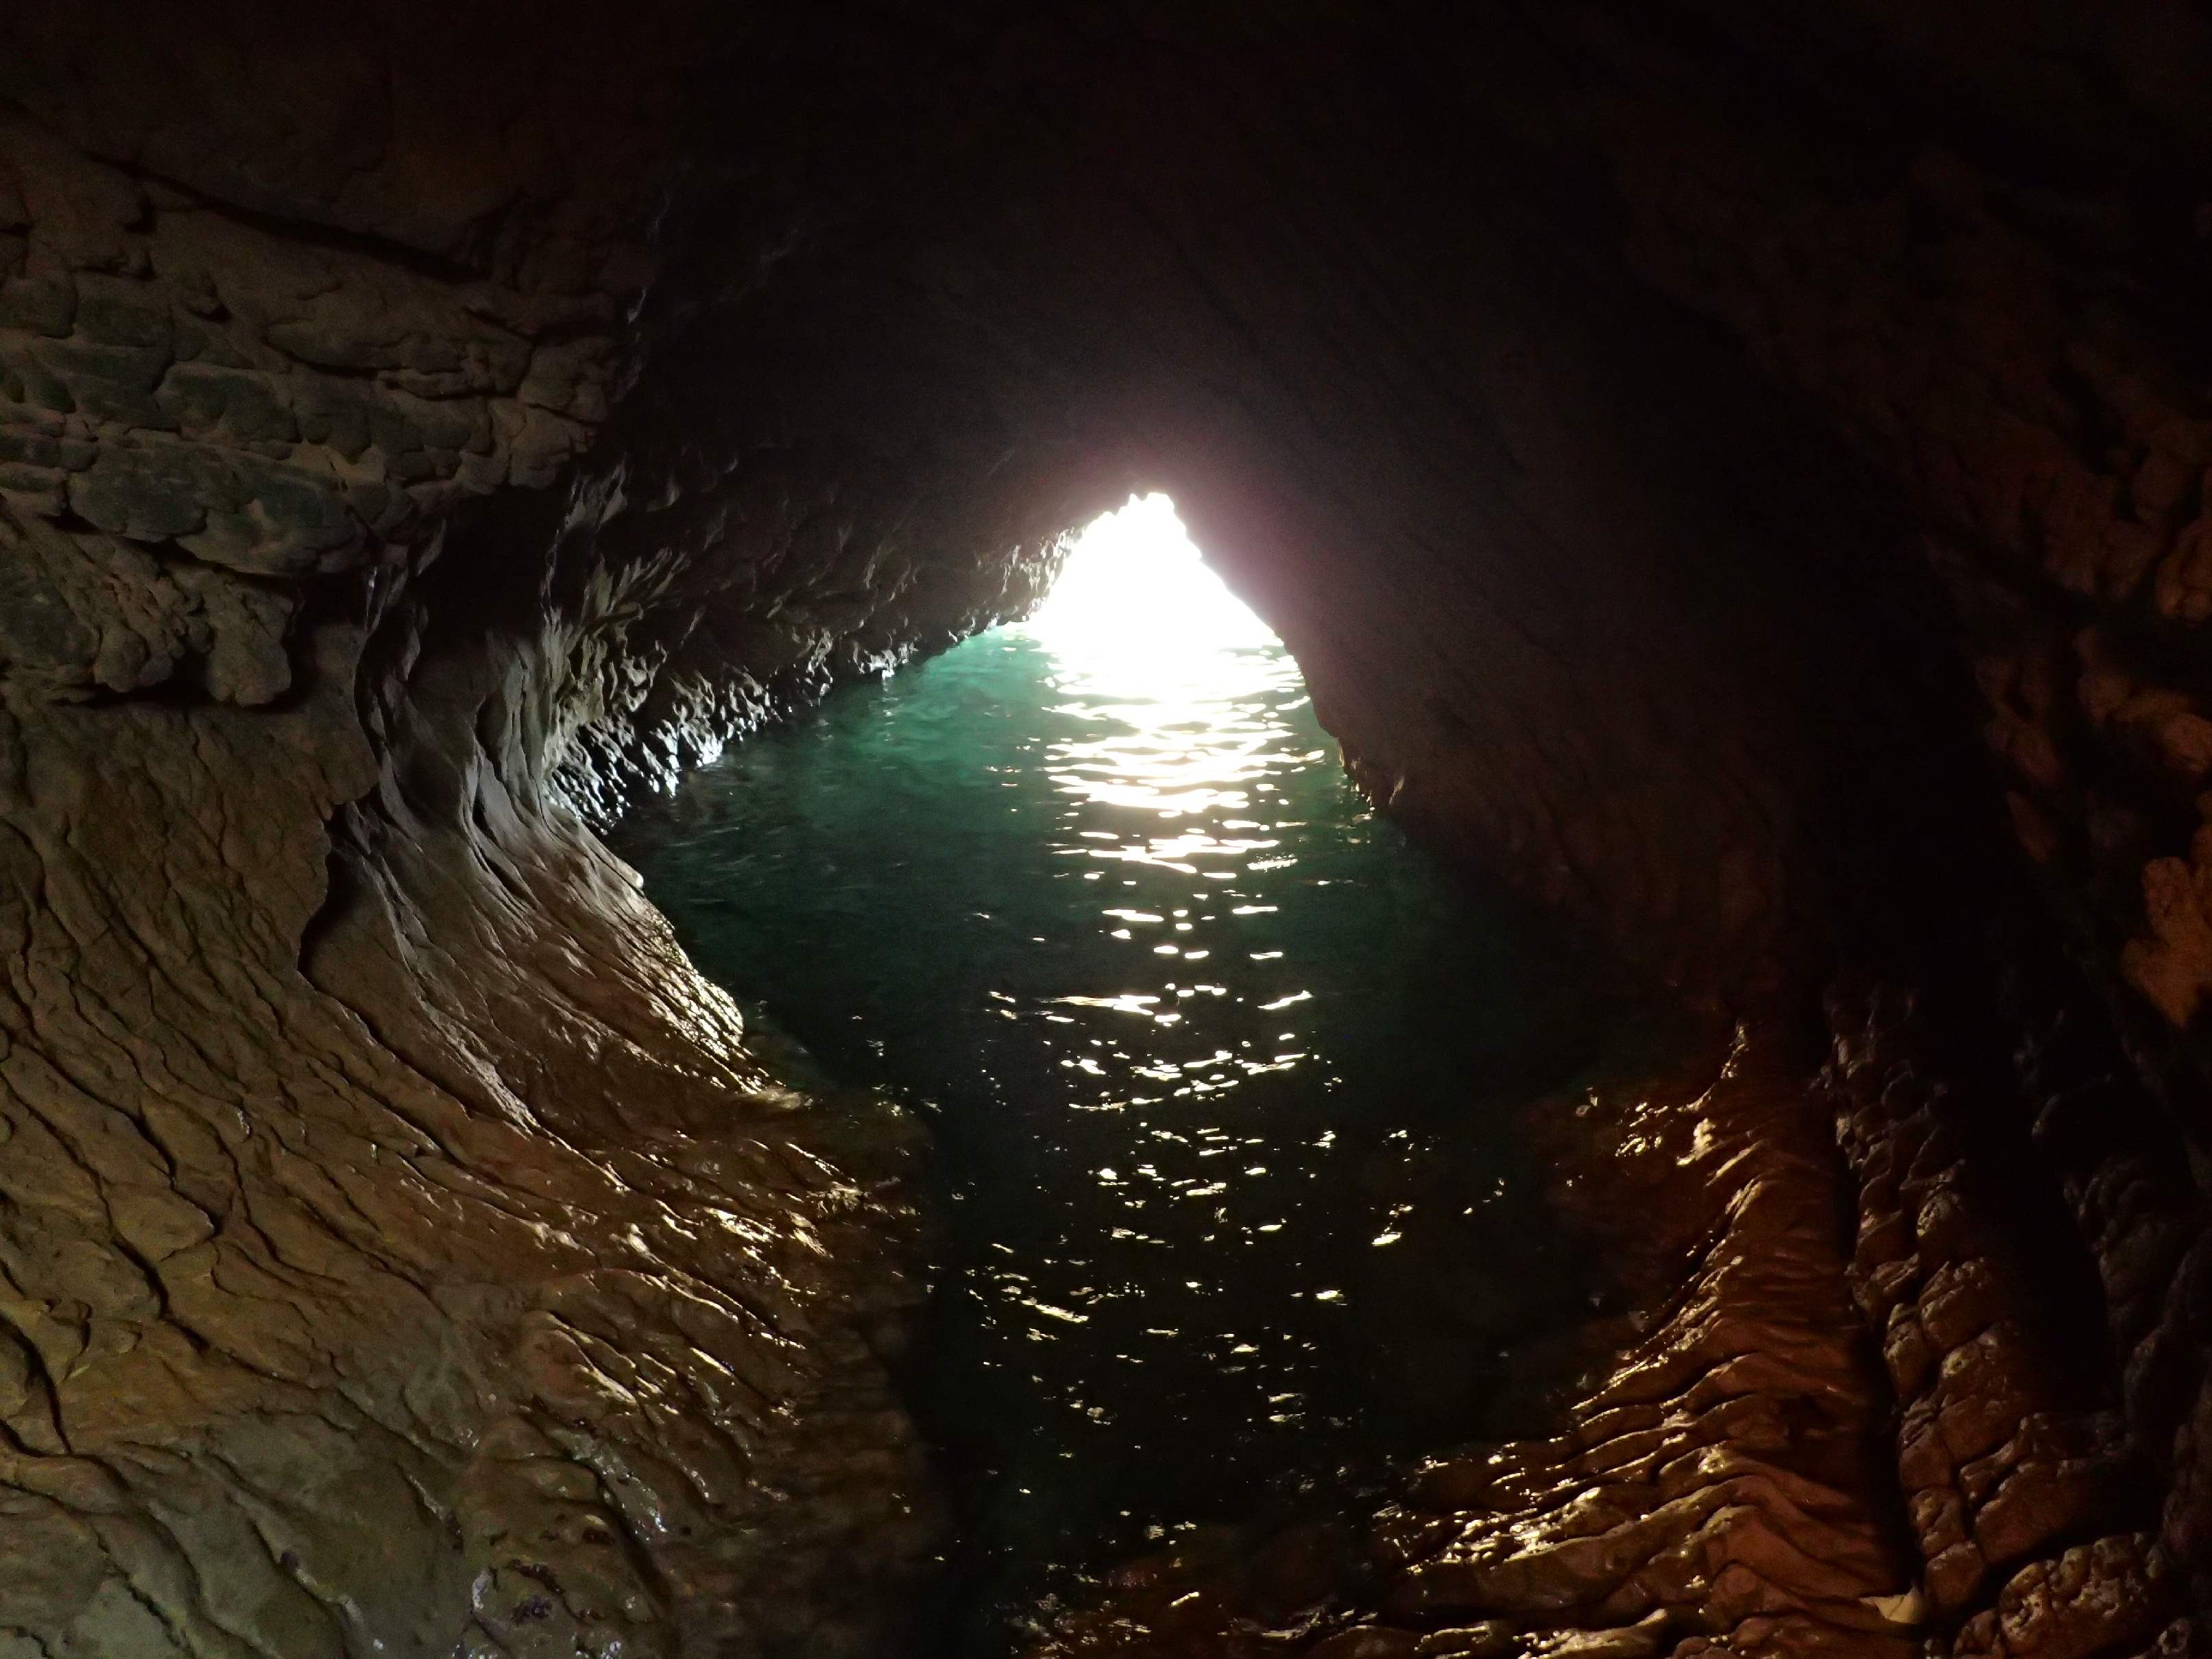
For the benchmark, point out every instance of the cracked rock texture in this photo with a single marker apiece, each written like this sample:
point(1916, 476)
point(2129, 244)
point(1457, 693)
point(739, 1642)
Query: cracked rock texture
point(1738, 470)
point(1719, 1486)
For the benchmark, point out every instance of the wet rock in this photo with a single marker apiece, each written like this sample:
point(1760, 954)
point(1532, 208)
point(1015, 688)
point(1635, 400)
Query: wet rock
point(2093, 1596)
point(1700, 1486)
point(1492, 1638)
point(1630, 1642)
point(1650, 440)
point(1368, 1642)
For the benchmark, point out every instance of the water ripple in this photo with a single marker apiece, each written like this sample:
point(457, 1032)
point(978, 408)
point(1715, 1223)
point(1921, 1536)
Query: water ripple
point(1183, 1015)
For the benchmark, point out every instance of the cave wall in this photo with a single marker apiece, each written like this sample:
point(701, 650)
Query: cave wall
point(404, 1252)
point(1652, 430)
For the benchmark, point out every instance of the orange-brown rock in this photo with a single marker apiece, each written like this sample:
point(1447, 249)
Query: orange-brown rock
point(1714, 1490)
point(1736, 471)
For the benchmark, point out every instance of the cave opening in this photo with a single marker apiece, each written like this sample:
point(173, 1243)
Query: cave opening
point(1221, 1076)
point(1135, 599)
point(1741, 475)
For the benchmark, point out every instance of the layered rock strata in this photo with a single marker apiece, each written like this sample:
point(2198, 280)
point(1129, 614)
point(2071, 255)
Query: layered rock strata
point(1720, 1487)
point(1733, 1481)
point(2024, 1479)
point(403, 1254)
point(1648, 425)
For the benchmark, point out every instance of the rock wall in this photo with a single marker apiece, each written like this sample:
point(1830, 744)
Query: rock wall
point(403, 1253)
point(1721, 1484)
point(421, 427)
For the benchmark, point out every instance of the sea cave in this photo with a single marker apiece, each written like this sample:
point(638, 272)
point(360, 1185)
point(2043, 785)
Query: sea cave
point(1106, 831)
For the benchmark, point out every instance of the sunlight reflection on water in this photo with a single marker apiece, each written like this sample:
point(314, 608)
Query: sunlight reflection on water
point(1185, 690)
point(1093, 893)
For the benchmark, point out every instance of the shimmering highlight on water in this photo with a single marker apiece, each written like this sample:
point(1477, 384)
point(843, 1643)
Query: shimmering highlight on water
point(1219, 1069)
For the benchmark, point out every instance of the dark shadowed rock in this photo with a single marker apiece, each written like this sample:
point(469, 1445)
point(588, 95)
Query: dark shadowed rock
point(1737, 471)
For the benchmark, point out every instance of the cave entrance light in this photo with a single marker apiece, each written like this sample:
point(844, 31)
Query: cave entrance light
point(1178, 683)
point(1136, 606)
point(1178, 689)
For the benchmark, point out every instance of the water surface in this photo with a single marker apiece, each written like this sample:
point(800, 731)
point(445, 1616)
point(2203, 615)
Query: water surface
point(1221, 1076)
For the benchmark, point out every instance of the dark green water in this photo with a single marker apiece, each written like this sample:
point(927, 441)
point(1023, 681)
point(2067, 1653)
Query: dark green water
point(1221, 1076)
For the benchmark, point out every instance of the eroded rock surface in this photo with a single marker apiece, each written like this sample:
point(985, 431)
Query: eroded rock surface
point(1733, 1480)
point(1719, 1486)
point(1649, 425)
point(403, 1253)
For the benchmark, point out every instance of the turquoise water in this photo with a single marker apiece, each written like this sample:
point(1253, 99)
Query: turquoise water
point(1222, 1076)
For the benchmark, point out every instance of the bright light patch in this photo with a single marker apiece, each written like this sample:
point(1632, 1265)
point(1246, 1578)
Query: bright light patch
point(1178, 690)
point(1135, 607)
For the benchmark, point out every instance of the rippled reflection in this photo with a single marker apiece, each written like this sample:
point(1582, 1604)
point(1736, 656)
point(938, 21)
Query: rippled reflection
point(1211, 1057)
